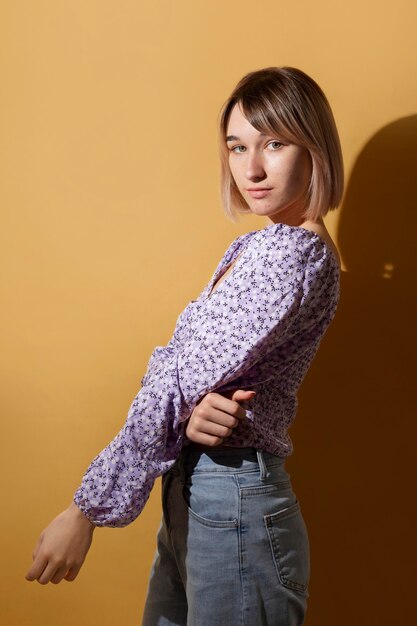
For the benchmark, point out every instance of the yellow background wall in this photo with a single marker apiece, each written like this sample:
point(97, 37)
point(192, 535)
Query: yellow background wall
point(111, 223)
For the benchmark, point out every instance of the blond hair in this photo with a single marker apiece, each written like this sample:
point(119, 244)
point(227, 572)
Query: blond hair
point(287, 102)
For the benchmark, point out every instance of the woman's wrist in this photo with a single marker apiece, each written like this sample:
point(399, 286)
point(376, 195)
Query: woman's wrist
point(74, 509)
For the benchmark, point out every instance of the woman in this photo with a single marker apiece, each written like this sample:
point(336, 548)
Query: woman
point(216, 402)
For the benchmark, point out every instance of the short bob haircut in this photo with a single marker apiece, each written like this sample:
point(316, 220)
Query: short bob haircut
point(285, 102)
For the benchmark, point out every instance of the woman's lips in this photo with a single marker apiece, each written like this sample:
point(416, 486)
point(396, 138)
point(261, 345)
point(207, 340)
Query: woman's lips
point(258, 193)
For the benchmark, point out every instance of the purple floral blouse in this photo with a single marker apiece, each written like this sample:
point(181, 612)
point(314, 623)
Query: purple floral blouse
point(259, 329)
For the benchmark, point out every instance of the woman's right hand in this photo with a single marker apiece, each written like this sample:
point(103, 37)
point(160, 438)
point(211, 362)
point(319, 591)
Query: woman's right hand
point(62, 547)
point(215, 416)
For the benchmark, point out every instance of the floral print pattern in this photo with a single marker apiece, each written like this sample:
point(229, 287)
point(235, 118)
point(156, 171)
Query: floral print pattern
point(259, 329)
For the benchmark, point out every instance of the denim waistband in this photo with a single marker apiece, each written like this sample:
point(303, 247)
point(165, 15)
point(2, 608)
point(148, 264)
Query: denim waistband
point(198, 458)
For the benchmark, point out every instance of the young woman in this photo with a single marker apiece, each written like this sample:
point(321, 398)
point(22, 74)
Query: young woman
point(213, 413)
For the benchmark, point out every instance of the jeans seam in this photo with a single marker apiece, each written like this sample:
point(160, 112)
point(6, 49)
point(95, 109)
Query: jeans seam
point(239, 528)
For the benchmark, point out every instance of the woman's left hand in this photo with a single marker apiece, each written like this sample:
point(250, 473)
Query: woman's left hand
point(215, 416)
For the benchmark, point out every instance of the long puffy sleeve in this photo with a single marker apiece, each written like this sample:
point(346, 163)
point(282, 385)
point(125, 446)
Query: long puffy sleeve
point(246, 316)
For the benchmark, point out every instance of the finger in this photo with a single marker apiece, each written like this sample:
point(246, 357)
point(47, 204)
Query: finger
point(73, 573)
point(37, 546)
point(231, 407)
point(48, 573)
point(213, 429)
point(208, 440)
point(241, 394)
point(59, 574)
point(37, 568)
point(215, 416)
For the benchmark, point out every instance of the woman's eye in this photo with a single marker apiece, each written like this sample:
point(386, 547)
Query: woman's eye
point(239, 149)
point(234, 149)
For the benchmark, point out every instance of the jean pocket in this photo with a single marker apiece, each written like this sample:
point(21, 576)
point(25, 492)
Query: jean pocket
point(290, 548)
point(255, 488)
point(212, 500)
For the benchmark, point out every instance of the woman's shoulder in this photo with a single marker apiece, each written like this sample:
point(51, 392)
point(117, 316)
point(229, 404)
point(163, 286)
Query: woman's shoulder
point(295, 251)
point(286, 249)
point(284, 241)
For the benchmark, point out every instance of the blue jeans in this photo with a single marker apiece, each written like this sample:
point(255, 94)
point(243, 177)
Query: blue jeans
point(232, 547)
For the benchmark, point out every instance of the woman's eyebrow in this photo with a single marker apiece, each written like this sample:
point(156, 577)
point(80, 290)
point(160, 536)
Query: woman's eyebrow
point(235, 138)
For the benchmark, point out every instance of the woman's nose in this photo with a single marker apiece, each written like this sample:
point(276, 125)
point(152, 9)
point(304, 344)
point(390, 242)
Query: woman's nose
point(254, 166)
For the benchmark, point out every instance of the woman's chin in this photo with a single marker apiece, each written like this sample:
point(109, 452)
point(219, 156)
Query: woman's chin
point(263, 211)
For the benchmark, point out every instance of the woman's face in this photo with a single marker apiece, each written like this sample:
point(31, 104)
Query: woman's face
point(259, 161)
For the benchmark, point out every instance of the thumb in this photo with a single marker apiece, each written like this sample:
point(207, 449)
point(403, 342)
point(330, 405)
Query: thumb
point(242, 394)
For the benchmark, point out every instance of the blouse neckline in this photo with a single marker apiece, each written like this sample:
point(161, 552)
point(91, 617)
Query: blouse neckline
point(246, 237)
point(312, 234)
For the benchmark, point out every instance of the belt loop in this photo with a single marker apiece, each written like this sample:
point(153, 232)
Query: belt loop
point(262, 465)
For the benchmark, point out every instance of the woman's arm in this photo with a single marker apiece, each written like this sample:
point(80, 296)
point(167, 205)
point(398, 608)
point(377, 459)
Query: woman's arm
point(238, 326)
point(63, 545)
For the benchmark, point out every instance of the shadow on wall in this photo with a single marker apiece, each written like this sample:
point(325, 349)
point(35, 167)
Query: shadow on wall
point(354, 463)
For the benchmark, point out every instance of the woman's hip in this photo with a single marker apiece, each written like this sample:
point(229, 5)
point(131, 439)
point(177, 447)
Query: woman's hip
point(233, 517)
point(229, 487)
